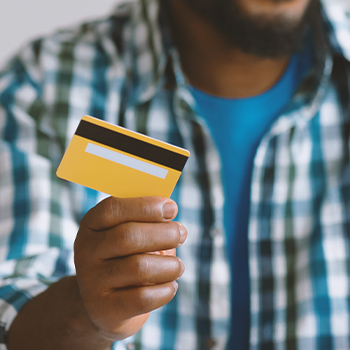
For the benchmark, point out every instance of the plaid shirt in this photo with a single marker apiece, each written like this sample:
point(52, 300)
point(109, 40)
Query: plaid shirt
point(123, 69)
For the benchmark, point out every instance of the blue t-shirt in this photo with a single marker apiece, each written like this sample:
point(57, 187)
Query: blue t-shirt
point(237, 126)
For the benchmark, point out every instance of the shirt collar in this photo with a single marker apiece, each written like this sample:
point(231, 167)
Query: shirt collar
point(337, 19)
point(144, 55)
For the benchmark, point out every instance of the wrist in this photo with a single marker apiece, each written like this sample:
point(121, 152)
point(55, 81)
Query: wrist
point(56, 319)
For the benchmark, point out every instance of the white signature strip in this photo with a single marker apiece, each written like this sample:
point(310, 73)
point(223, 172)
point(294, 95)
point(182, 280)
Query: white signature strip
point(126, 160)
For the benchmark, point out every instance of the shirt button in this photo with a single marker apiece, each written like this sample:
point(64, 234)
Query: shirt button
point(130, 346)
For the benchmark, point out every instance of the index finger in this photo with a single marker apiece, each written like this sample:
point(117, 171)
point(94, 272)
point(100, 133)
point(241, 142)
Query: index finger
point(114, 211)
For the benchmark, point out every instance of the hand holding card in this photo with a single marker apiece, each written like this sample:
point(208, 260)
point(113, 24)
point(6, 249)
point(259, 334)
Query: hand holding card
point(119, 281)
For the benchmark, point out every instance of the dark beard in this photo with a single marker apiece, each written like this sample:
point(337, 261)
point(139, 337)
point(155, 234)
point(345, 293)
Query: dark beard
point(259, 35)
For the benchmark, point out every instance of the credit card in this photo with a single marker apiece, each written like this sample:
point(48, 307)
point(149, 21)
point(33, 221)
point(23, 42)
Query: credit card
point(121, 162)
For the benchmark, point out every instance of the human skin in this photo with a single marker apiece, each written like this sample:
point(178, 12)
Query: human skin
point(118, 282)
point(292, 9)
point(212, 64)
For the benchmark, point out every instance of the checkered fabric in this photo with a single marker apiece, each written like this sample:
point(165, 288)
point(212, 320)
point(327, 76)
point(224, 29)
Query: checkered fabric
point(123, 69)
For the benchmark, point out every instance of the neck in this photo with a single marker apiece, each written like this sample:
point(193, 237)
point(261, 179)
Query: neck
point(212, 65)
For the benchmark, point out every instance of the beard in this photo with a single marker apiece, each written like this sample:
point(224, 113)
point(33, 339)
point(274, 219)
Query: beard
point(260, 35)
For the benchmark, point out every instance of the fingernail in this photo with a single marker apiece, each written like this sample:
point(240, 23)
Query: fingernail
point(169, 210)
point(182, 269)
point(183, 234)
point(176, 286)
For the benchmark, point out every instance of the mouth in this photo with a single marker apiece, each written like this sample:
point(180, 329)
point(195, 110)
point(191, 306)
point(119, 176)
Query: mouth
point(272, 8)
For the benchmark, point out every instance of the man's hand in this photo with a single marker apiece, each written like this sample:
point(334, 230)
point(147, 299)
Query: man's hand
point(120, 281)
point(126, 267)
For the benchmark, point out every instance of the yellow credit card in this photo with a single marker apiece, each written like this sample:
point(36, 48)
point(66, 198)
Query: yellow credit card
point(121, 162)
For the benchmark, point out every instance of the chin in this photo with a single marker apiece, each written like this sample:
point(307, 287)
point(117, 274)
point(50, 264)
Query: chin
point(264, 28)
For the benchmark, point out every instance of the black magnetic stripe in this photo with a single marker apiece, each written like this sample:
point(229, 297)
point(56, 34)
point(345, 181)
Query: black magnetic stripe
point(131, 145)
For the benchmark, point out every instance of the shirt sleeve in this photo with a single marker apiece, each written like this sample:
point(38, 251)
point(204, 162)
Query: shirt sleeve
point(38, 216)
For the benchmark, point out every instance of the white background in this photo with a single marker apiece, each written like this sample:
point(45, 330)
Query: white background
point(23, 20)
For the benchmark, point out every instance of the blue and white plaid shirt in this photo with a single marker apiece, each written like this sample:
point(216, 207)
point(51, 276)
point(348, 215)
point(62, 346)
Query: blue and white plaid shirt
point(122, 69)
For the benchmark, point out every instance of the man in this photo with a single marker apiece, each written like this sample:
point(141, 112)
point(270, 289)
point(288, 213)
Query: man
point(199, 74)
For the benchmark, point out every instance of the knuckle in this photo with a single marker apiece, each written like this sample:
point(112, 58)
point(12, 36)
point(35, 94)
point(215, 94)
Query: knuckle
point(147, 209)
point(124, 233)
point(142, 268)
point(109, 208)
point(116, 207)
point(144, 300)
point(131, 236)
